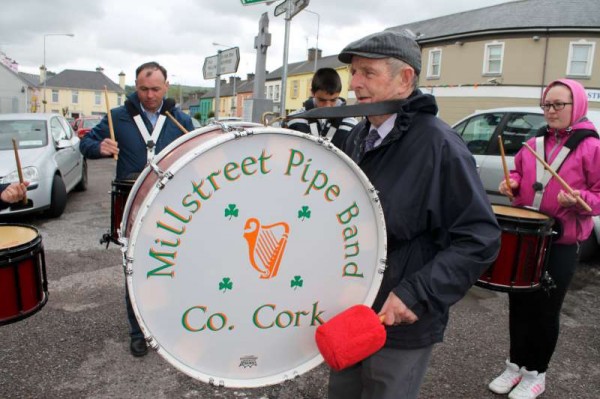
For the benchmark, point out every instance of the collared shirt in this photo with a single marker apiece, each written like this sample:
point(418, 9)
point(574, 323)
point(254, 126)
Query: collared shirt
point(384, 129)
point(152, 116)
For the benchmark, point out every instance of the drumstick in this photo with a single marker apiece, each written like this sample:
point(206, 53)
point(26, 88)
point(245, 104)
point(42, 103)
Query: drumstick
point(110, 122)
point(563, 183)
point(19, 171)
point(510, 193)
point(176, 122)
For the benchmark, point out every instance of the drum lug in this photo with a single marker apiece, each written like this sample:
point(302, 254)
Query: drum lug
point(382, 266)
point(127, 264)
point(163, 177)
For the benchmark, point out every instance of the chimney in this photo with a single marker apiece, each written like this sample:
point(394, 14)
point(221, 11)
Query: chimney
point(42, 74)
point(250, 76)
point(122, 80)
point(99, 69)
point(314, 53)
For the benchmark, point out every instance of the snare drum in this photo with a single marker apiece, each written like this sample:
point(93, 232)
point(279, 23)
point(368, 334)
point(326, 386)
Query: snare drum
point(239, 241)
point(525, 240)
point(23, 284)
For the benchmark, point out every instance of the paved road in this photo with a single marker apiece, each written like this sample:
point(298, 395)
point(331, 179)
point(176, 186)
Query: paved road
point(77, 345)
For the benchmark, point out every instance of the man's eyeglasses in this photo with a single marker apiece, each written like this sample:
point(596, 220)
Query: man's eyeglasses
point(556, 106)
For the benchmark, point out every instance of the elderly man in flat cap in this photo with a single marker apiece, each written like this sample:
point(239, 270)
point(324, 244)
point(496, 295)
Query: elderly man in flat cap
point(442, 233)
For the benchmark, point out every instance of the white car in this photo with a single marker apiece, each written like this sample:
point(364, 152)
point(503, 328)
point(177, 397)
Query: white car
point(480, 132)
point(48, 151)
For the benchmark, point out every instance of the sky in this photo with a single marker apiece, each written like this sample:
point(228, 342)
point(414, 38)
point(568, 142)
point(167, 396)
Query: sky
point(119, 35)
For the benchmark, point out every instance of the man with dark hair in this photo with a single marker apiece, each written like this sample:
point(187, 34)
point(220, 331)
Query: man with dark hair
point(441, 231)
point(141, 130)
point(326, 87)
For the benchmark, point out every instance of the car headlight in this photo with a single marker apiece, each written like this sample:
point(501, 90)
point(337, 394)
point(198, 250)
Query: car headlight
point(30, 174)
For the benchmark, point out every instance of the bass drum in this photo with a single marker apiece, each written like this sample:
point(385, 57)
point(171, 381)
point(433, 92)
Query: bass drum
point(239, 241)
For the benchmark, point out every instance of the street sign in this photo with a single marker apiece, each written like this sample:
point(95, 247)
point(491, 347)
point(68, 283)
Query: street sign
point(252, 2)
point(297, 6)
point(230, 59)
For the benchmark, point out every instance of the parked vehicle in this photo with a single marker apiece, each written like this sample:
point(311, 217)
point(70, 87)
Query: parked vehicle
point(480, 132)
point(50, 160)
point(84, 124)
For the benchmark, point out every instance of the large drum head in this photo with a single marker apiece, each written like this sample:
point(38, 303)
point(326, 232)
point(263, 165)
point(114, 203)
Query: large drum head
point(259, 236)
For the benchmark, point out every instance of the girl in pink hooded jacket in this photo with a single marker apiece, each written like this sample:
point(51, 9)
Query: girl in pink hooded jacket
point(534, 316)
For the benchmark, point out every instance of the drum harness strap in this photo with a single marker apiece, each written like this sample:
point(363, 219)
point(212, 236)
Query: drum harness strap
point(542, 175)
point(149, 138)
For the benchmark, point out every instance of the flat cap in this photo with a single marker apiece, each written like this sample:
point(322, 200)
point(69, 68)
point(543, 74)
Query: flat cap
point(385, 44)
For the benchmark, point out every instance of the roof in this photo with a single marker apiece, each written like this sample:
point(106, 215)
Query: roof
point(306, 66)
point(32, 79)
point(17, 75)
point(525, 15)
point(85, 80)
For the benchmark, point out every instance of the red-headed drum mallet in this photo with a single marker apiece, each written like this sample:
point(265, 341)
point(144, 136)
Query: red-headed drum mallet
point(350, 336)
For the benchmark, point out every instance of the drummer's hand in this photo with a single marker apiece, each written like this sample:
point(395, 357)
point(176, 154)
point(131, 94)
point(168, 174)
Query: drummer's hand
point(503, 188)
point(567, 200)
point(396, 312)
point(14, 192)
point(109, 147)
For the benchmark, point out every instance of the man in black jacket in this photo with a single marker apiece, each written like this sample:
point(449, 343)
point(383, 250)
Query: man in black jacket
point(442, 233)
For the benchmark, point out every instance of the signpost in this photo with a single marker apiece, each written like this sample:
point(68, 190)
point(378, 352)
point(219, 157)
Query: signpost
point(295, 5)
point(252, 2)
point(226, 61)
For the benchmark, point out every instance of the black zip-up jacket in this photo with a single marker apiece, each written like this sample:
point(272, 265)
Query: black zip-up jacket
point(441, 231)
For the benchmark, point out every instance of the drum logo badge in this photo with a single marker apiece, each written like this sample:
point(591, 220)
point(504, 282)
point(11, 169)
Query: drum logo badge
point(266, 246)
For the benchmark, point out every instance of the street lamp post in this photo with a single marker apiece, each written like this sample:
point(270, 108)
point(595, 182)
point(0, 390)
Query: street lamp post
point(46, 69)
point(318, 25)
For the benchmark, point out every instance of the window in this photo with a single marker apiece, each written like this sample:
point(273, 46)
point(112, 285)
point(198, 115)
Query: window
point(492, 63)
point(308, 87)
point(276, 93)
point(119, 100)
point(518, 129)
point(434, 64)
point(270, 93)
point(54, 96)
point(581, 56)
point(295, 88)
point(75, 96)
point(97, 98)
point(57, 130)
point(478, 131)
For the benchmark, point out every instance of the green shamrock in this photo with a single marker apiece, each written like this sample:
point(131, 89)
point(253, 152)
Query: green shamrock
point(226, 284)
point(304, 213)
point(231, 211)
point(296, 282)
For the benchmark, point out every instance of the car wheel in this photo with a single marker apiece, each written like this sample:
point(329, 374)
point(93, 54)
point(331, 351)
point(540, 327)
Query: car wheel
point(83, 183)
point(588, 248)
point(58, 200)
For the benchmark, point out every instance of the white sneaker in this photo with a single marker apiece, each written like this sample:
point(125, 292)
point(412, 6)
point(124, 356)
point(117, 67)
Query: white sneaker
point(532, 385)
point(507, 380)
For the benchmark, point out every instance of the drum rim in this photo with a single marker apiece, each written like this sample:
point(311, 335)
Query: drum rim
point(23, 247)
point(129, 242)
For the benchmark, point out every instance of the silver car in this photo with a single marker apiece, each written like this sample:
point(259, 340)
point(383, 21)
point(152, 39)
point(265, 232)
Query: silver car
point(480, 132)
point(49, 154)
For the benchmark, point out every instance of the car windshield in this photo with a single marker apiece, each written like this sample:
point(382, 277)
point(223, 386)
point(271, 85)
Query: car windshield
point(28, 134)
point(90, 123)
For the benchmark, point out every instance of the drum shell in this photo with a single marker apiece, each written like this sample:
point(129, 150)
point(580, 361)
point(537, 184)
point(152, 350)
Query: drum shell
point(521, 262)
point(23, 284)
